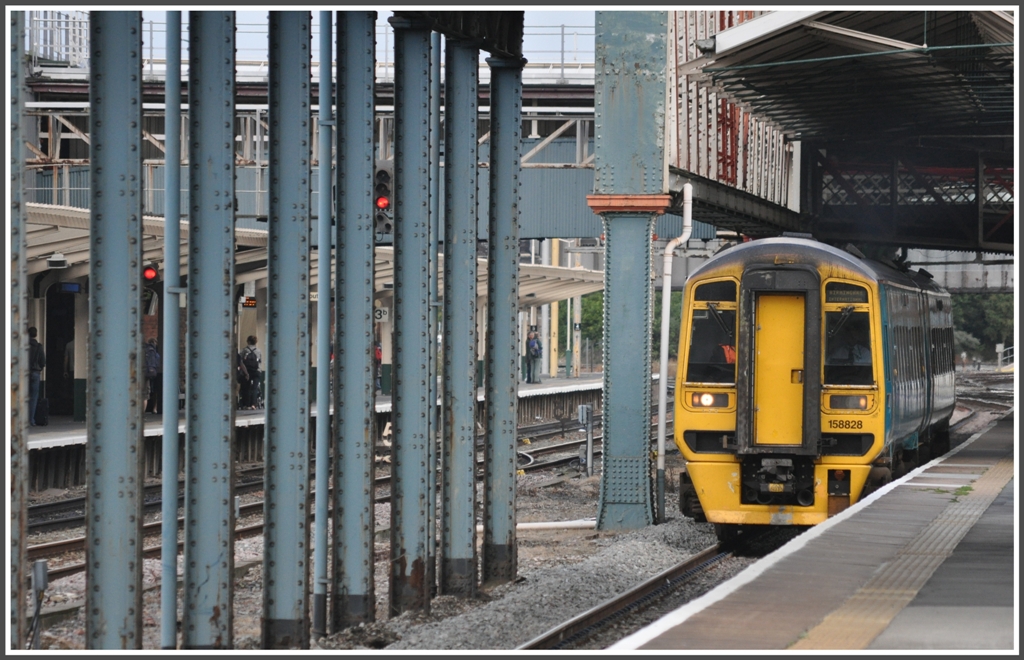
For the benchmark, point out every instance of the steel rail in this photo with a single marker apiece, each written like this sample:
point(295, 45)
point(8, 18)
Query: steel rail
point(585, 624)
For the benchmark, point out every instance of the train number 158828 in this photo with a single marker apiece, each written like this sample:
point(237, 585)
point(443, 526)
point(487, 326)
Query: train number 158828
point(845, 424)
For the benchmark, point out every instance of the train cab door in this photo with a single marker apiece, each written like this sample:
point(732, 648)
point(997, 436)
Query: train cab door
point(778, 369)
point(778, 382)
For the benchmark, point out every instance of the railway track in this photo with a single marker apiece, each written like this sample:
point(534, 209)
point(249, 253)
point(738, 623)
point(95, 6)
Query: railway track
point(582, 626)
point(624, 613)
point(77, 543)
point(69, 512)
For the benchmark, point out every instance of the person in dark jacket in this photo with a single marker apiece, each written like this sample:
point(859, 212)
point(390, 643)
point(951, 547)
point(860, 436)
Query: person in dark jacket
point(252, 358)
point(154, 376)
point(36, 364)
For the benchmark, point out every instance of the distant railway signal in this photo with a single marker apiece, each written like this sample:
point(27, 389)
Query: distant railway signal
point(384, 210)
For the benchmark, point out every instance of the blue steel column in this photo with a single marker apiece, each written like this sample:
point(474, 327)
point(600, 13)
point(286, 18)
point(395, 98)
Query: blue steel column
point(499, 545)
point(113, 602)
point(172, 331)
point(19, 341)
point(285, 621)
point(629, 182)
point(352, 590)
point(323, 329)
point(212, 346)
point(433, 418)
point(409, 475)
point(457, 569)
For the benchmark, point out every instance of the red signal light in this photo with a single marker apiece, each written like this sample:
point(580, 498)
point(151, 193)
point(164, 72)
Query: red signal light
point(149, 273)
point(383, 202)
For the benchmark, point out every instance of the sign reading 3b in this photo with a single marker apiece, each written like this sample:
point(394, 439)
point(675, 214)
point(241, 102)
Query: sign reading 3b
point(381, 314)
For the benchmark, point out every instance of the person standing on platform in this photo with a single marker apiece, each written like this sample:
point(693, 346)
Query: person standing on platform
point(36, 364)
point(252, 358)
point(154, 375)
point(534, 351)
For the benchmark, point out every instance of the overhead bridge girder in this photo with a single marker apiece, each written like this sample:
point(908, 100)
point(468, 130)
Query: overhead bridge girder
point(911, 200)
point(500, 33)
point(730, 208)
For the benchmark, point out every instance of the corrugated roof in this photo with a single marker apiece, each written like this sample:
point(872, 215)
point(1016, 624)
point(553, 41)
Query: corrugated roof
point(884, 76)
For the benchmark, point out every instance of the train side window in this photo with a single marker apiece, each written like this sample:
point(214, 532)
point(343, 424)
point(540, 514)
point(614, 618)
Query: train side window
point(848, 348)
point(712, 353)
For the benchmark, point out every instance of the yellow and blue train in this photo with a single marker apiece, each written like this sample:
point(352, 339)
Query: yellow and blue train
point(807, 377)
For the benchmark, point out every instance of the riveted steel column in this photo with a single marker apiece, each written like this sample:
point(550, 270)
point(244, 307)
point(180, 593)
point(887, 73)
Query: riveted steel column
point(323, 330)
point(412, 328)
point(113, 618)
point(434, 418)
point(499, 547)
point(286, 510)
point(630, 93)
point(19, 341)
point(172, 331)
point(210, 407)
point(625, 497)
point(457, 570)
point(353, 599)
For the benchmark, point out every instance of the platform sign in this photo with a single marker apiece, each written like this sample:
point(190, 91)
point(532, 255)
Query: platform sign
point(381, 314)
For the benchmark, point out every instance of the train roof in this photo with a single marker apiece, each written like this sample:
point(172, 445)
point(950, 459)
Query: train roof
point(805, 250)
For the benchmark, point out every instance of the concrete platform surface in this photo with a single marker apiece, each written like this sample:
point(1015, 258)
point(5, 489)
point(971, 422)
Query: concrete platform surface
point(927, 563)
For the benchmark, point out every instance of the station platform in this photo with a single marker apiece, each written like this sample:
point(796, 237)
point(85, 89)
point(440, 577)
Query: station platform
point(929, 562)
point(63, 430)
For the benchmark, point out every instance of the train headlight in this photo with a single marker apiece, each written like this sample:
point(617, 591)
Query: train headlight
point(848, 402)
point(709, 400)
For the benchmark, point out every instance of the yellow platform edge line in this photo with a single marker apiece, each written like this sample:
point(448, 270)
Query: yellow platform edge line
point(870, 610)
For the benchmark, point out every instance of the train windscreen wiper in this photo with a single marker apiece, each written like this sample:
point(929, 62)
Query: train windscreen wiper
point(721, 321)
point(842, 320)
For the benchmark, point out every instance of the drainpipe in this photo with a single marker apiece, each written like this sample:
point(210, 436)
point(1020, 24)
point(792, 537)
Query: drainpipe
point(666, 303)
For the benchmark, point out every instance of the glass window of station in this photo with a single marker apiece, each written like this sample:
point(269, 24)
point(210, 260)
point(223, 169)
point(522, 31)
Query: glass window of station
point(847, 335)
point(712, 354)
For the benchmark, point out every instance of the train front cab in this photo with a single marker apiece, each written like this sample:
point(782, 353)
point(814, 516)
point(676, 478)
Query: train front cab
point(786, 434)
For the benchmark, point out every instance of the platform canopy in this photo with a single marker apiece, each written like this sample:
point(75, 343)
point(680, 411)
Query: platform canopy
point(65, 230)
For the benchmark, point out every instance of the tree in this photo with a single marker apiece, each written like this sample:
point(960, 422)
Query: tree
point(987, 317)
point(675, 316)
point(591, 319)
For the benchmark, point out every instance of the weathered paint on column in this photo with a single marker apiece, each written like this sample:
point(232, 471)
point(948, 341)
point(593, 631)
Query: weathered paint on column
point(114, 462)
point(113, 602)
point(499, 559)
point(353, 599)
point(286, 510)
point(18, 342)
point(172, 330)
point(629, 100)
point(412, 327)
point(457, 568)
point(630, 75)
point(212, 345)
point(625, 497)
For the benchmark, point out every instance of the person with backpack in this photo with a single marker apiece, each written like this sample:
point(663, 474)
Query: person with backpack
point(252, 358)
point(36, 364)
point(242, 376)
point(534, 351)
point(153, 367)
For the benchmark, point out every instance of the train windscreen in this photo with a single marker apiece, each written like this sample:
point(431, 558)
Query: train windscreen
point(848, 348)
point(712, 353)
